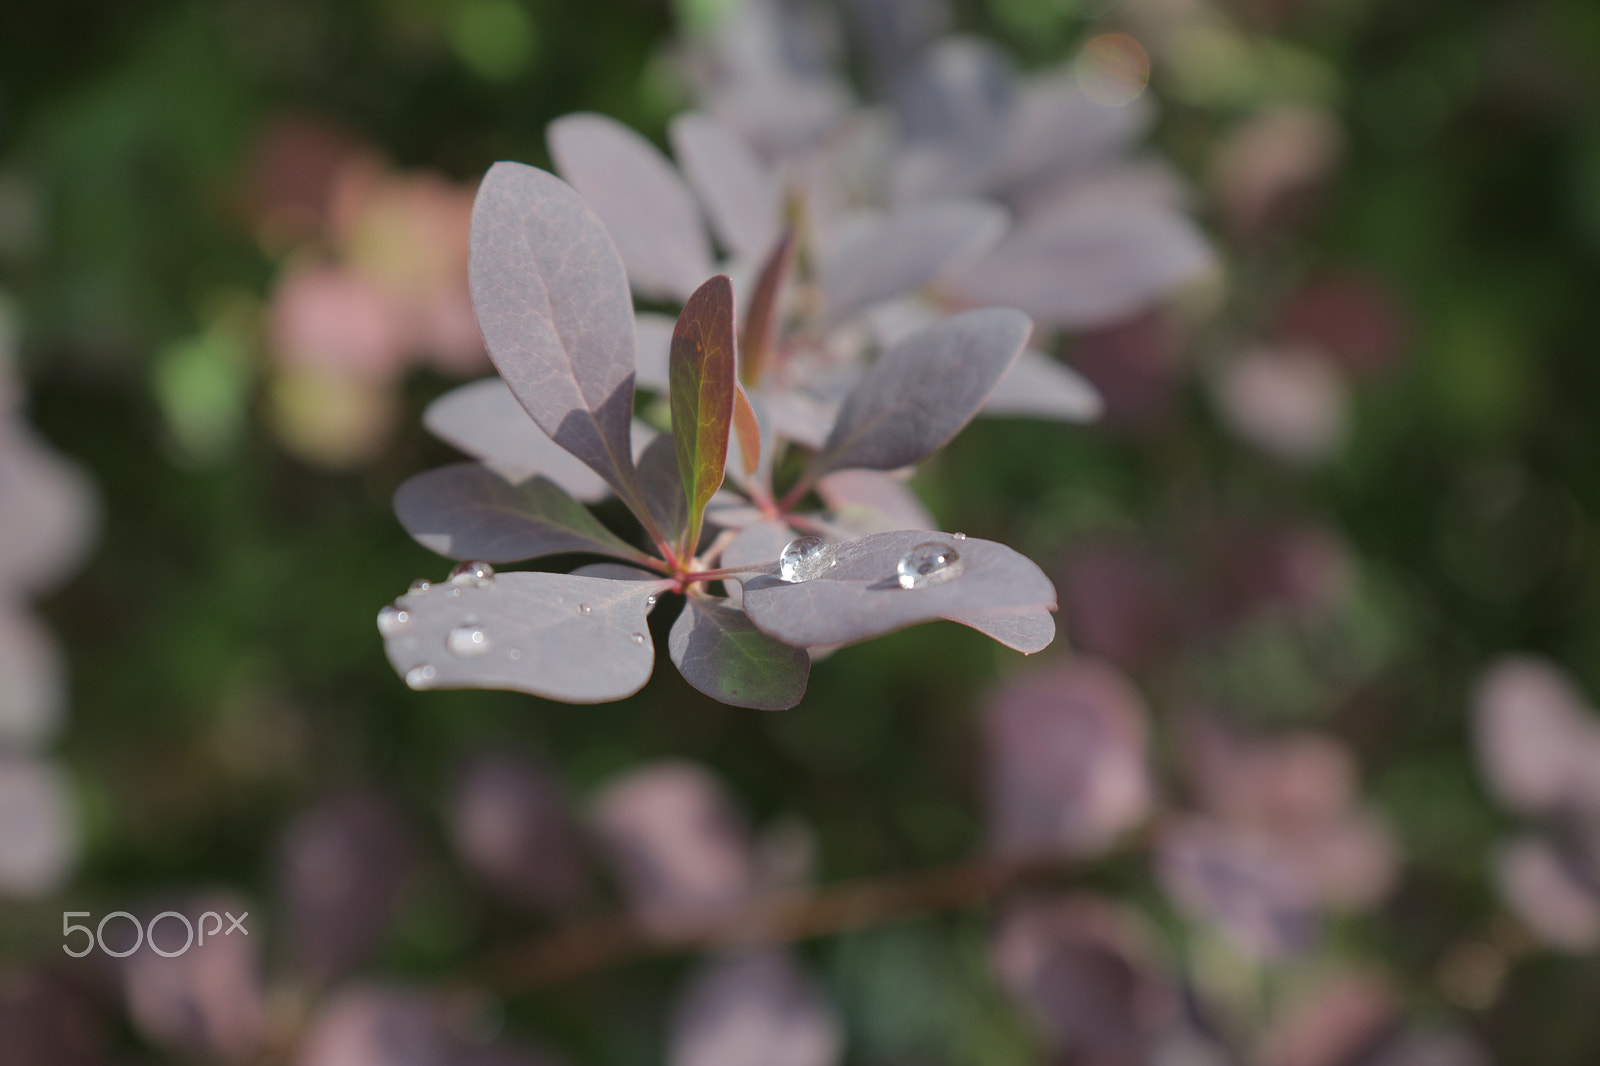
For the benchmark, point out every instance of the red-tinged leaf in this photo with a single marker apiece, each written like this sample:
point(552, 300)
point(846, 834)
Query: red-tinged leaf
point(556, 315)
point(748, 430)
point(701, 378)
point(720, 653)
point(764, 316)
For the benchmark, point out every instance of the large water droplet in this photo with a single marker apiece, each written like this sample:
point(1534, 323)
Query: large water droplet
point(928, 565)
point(419, 586)
point(637, 638)
point(421, 676)
point(805, 558)
point(467, 641)
point(472, 574)
point(393, 619)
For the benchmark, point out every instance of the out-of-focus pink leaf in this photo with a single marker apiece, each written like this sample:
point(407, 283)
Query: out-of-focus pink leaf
point(1292, 403)
point(953, 107)
point(1038, 386)
point(207, 1001)
point(47, 512)
point(1544, 891)
point(1067, 769)
point(702, 387)
point(560, 636)
point(376, 1025)
point(511, 826)
point(679, 848)
point(1333, 1023)
point(484, 420)
point(1057, 133)
point(343, 865)
point(738, 192)
point(1236, 880)
point(469, 511)
point(722, 654)
point(921, 392)
point(860, 598)
point(32, 688)
point(1537, 740)
point(48, 1020)
point(753, 1009)
point(330, 318)
point(554, 307)
point(38, 827)
point(1088, 263)
point(877, 259)
point(763, 316)
point(871, 501)
point(641, 199)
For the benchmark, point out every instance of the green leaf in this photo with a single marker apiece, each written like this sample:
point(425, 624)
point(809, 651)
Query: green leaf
point(700, 378)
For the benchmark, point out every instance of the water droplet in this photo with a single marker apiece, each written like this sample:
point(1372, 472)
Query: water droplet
point(959, 536)
point(805, 558)
point(419, 586)
point(928, 565)
point(637, 638)
point(392, 620)
point(650, 600)
point(584, 608)
point(452, 591)
point(421, 676)
point(472, 575)
point(467, 641)
point(514, 654)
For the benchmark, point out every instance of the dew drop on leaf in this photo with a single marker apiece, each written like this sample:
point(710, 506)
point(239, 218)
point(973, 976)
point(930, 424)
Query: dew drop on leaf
point(584, 608)
point(805, 558)
point(467, 641)
point(650, 601)
point(514, 654)
point(472, 574)
point(929, 564)
point(392, 620)
point(421, 676)
point(419, 586)
point(637, 638)
point(959, 536)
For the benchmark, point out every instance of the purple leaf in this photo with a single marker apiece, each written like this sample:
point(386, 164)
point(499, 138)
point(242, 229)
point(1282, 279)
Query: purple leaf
point(342, 867)
point(753, 1009)
point(641, 199)
point(207, 1001)
point(720, 653)
point(485, 420)
point(1066, 761)
point(1537, 740)
point(678, 845)
point(763, 315)
point(560, 636)
point(1038, 386)
point(511, 825)
point(1089, 263)
point(702, 390)
point(859, 597)
point(870, 501)
point(954, 108)
point(553, 304)
point(663, 485)
point(921, 392)
point(38, 826)
point(1236, 880)
point(879, 259)
point(739, 193)
point(1026, 630)
point(32, 687)
point(1058, 133)
point(468, 511)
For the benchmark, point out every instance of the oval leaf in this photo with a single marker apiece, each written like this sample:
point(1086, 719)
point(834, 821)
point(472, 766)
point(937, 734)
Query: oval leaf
point(553, 304)
point(641, 199)
point(859, 597)
point(881, 258)
point(739, 194)
point(1027, 631)
point(468, 511)
point(720, 653)
point(484, 420)
point(537, 636)
point(1038, 386)
point(702, 394)
point(923, 390)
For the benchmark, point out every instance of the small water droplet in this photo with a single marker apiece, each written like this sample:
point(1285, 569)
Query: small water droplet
point(650, 600)
point(421, 676)
point(514, 654)
point(928, 565)
point(419, 586)
point(637, 638)
point(467, 641)
point(959, 536)
point(452, 592)
point(584, 608)
point(805, 558)
point(472, 574)
point(392, 620)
